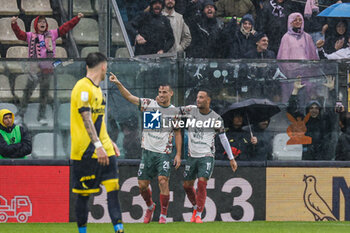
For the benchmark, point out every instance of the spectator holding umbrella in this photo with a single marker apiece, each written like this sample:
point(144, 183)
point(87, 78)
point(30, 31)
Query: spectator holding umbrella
point(244, 144)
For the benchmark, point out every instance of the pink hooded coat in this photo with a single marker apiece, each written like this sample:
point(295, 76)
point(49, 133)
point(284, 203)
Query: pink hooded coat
point(297, 45)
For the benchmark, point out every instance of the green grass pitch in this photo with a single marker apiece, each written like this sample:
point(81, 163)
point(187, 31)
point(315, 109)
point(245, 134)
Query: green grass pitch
point(181, 227)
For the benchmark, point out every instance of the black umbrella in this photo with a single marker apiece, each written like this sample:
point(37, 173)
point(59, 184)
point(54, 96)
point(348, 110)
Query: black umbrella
point(252, 111)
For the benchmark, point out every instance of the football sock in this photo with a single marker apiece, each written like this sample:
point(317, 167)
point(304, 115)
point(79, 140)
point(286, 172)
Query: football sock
point(195, 207)
point(191, 194)
point(114, 207)
point(162, 215)
point(81, 211)
point(147, 196)
point(201, 195)
point(164, 202)
point(151, 206)
point(199, 214)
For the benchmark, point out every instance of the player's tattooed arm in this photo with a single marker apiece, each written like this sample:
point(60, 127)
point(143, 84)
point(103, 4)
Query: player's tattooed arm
point(89, 126)
point(102, 156)
point(125, 92)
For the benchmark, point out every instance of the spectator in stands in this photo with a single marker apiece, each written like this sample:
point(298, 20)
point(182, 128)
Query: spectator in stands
point(342, 151)
point(134, 7)
point(343, 53)
point(320, 124)
point(263, 149)
point(15, 141)
point(227, 9)
point(297, 44)
point(336, 37)
point(180, 29)
point(244, 38)
point(314, 25)
point(273, 20)
point(41, 44)
point(261, 51)
point(151, 31)
point(241, 142)
point(205, 29)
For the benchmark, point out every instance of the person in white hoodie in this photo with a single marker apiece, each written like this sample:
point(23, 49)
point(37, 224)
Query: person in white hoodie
point(339, 54)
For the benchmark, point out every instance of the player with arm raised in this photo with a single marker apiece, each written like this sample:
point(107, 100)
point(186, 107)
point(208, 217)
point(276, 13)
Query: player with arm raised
point(156, 145)
point(93, 153)
point(201, 150)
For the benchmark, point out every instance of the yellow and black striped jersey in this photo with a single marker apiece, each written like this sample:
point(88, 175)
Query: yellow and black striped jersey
point(86, 96)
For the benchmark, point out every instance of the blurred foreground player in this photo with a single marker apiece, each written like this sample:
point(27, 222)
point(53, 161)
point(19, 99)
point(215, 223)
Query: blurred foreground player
point(93, 152)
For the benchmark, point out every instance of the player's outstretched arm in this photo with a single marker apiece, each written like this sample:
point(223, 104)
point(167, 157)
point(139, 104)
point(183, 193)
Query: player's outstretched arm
point(227, 147)
point(178, 144)
point(125, 93)
point(102, 156)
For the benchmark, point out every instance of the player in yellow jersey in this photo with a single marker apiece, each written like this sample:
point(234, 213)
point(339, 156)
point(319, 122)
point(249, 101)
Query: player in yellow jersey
point(93, 153)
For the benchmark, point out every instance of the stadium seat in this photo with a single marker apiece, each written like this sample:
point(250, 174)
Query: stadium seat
point(36, 7)
point(52, 25)
point(97, 8)
point(2, 67)
point(282, 151)
point(20, 85)
point(86, 32)
point(83, 6)
point(61, 52)
point(16, 52)
point(122, 53)
point(9, 7)
point(5, 90)
point(63, 116)
point(86, 50)
point(65, 84)
point(9, 106)
point(117, 35)
point(43, 146)
point(30, 117)
point(7, 36)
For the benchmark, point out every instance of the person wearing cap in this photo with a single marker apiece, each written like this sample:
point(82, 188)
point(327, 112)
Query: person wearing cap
point(151, 31)
point(205, 30)
point(41, 44)
point(261, 51)
point(15, 141)
point(227, 9)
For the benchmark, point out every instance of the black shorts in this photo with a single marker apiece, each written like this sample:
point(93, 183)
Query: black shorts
point(88, 174)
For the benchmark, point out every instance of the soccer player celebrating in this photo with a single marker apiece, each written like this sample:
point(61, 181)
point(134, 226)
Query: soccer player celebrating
point(201, 150)
point(157, 146)
point(93, 153)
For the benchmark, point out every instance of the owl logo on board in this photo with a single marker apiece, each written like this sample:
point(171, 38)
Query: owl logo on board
point(315, 203)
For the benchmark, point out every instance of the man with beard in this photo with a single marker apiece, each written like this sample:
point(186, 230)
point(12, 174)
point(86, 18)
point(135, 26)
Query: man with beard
point(201, 150)
point(181, 31)
point(151, 31)
point(205, 29)
point(156, 146)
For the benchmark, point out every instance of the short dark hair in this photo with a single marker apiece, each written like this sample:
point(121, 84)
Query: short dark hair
point(206, 90)
point(165, 85)
point(93, 59)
